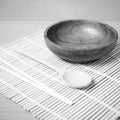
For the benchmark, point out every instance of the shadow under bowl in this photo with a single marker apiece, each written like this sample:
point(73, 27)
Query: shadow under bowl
point(80, 41)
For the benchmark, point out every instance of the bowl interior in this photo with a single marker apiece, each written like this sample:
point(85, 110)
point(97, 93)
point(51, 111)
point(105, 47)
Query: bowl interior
point(81, 34)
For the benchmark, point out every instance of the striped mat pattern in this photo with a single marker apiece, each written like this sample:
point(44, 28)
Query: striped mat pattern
point(29, 76)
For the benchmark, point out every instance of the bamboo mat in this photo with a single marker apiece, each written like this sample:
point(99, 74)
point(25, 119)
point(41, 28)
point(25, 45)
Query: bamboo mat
point(29, 76)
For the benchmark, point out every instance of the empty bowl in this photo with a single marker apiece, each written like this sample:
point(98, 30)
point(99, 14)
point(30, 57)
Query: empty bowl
point(80, 41)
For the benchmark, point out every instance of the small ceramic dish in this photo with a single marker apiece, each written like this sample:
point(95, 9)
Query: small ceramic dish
point(80, 41)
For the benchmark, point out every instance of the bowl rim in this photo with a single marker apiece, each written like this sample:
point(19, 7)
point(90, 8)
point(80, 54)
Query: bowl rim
point(85, 20)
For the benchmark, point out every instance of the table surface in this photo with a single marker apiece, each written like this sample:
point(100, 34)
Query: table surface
point(9, 32)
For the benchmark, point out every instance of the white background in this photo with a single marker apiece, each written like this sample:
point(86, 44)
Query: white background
point(52, 10)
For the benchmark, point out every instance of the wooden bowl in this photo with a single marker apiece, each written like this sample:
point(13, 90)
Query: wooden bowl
point(80, 40)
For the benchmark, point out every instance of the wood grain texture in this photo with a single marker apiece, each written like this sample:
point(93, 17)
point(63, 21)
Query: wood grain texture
point(80, 40)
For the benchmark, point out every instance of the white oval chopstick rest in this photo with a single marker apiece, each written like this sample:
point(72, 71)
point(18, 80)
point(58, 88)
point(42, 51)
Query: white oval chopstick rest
point(77, 79)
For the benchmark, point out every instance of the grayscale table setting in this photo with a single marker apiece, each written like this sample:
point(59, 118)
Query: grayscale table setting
point(31, 86)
